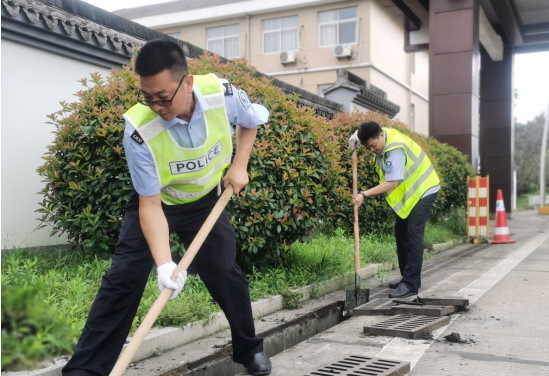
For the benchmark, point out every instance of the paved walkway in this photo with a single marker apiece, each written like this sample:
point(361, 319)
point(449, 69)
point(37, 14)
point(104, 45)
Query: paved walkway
point(507, 323)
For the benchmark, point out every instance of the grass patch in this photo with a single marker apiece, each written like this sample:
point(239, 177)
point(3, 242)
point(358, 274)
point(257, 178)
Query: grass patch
point(71, 282)
point(437, 233)
point(320, 259)
point(68, 283)
point(522, 200)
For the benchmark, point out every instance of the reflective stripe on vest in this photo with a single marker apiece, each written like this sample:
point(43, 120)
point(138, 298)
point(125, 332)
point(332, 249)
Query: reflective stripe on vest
point(419, 173)
point(187, 174)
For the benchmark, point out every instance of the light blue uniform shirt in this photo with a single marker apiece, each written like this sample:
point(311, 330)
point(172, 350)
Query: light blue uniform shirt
point(187, 134)
point(397, 159)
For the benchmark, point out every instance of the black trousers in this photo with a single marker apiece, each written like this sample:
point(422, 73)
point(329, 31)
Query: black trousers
point(409, 234)
point(116, 303)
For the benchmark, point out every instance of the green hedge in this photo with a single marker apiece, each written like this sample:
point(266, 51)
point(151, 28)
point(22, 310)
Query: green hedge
point(300, 168)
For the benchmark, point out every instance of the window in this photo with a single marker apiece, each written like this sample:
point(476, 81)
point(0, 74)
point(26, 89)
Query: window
point(280, 34)
point(223, 40)
point(175, 35)
point(337, 26)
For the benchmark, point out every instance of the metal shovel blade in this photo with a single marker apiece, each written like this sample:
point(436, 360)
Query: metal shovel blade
point(355, 298)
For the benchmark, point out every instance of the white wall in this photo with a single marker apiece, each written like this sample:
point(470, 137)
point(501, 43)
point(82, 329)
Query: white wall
point(33, 83)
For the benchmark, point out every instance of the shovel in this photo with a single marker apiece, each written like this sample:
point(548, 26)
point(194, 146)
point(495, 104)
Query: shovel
point(128, 354)
point(358, 296)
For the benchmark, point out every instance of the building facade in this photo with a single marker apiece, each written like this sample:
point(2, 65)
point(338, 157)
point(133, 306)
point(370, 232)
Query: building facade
point(49, 46)
point(305, 43)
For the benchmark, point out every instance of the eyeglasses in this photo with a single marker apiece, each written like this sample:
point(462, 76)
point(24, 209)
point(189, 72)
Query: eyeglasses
point(162, 103)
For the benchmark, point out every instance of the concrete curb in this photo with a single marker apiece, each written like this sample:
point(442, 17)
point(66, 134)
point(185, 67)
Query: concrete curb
point(440, 247)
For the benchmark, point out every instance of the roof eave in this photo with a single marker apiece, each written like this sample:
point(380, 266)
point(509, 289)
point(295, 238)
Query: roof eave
point(232, 10)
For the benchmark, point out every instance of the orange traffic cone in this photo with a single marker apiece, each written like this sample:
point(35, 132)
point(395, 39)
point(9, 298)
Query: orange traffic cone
point(502, 231)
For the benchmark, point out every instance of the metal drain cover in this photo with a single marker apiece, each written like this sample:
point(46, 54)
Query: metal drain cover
point(426, 310)
point(444, 300)
point(356, 365)
point(407, 326)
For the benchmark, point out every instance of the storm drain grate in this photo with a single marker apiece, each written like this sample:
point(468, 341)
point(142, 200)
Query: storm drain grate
point(407, 326)
point(426, 310)
point(356, 365)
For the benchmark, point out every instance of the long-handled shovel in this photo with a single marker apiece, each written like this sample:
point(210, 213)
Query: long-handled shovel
point(164, 296)
point(358, 296)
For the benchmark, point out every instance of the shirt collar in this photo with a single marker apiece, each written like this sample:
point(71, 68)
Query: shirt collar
point(382, 155)
point(200, 105)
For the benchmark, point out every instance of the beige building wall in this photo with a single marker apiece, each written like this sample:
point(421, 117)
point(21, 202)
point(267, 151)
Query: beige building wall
point(309, 55)
point(380, 42)
point(387, 53)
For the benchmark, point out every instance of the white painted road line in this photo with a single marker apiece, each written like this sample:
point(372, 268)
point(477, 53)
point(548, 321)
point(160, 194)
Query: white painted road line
point(474, 290)
point(412, 350)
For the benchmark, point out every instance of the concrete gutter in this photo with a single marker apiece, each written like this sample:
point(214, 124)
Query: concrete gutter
point(160, 340)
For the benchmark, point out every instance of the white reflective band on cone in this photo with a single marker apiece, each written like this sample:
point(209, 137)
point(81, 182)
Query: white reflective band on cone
point(502, 231)
point(500, 206)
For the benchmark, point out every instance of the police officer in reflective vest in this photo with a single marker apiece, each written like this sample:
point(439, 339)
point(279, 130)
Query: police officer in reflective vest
point(410, 184)
point(178, 144)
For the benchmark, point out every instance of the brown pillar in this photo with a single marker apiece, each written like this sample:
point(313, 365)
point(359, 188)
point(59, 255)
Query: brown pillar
point(497, 124)
point(454, 74)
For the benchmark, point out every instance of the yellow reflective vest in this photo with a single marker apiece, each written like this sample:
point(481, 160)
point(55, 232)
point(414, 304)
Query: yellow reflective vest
point(419, 173)
point(187, 174)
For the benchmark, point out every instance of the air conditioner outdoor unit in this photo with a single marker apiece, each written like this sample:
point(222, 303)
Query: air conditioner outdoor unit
point(287, 57)
point(342, 51)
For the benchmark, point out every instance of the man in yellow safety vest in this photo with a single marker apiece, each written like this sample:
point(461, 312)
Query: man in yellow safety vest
point(410, 184)
point(178, 143)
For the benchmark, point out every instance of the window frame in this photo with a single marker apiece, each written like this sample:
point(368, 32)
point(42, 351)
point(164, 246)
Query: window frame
point(280, 35)
point(223, 39)
point(337, 22)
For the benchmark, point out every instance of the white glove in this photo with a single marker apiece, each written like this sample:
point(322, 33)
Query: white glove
point(165, 273)
point(354, 142)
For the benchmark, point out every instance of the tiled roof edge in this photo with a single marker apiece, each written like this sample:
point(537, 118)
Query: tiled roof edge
point(72, 23)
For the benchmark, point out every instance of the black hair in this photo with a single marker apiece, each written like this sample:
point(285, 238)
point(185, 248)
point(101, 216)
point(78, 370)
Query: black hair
point(368, 130)
point(157, 55)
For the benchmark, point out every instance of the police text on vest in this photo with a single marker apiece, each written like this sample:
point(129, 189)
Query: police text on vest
point(193, 165)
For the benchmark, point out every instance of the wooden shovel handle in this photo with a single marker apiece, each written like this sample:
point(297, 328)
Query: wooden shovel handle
point(128, 354)
point(355, 193)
